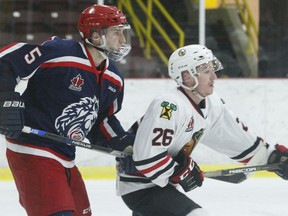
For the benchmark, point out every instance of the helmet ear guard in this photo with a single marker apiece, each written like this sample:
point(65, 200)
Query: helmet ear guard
point(188, 59)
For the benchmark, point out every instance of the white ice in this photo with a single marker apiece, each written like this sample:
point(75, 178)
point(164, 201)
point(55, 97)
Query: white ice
point(254, 197)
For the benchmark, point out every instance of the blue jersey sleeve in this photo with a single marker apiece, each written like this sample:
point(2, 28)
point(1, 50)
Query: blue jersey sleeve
point(25, 59)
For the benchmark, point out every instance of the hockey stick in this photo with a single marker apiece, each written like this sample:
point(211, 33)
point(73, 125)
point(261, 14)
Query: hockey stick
point(240, 177)
point(235, 178)
point(73, 142)
point(241, 170)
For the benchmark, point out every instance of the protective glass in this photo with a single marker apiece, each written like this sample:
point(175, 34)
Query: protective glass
point(214, 64)
point(116, 41)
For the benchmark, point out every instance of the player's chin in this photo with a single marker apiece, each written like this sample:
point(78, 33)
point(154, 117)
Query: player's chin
point(210, 90)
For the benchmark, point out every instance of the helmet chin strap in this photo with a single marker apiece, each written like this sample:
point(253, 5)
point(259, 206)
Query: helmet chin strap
point(196, 93)
point(102, 51)
point(193, 89)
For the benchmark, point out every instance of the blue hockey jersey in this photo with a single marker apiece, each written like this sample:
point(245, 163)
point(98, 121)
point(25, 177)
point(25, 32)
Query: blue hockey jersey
point(66, 94)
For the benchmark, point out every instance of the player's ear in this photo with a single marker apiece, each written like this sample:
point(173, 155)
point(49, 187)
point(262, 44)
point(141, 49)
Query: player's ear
point(95, 35)
point(95, 38)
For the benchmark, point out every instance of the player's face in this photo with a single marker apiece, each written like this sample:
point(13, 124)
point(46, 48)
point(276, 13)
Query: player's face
point(116, 37)
point(206, 79)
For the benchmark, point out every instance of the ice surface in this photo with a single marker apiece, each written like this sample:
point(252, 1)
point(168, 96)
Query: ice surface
point(254, 197)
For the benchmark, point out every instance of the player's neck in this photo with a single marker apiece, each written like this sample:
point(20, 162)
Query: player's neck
point(193, 96)
point(96, 55)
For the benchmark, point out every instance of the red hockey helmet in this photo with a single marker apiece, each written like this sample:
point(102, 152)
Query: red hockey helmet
point(99, 17)
point(111, 25)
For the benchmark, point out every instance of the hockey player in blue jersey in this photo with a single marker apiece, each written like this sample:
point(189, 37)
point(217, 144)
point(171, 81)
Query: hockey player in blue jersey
point(72, 89)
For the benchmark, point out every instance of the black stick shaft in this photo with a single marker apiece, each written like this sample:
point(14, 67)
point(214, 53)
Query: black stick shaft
point(248, 169)
point(70, 141)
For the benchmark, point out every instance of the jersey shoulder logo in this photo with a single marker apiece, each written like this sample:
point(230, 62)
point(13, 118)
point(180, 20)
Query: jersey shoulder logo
point(167, 109)
point(76, 83)
point(190, 125)
point(195, 139)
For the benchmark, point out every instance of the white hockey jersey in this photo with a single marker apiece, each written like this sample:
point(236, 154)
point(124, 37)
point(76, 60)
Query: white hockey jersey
point(171, 121)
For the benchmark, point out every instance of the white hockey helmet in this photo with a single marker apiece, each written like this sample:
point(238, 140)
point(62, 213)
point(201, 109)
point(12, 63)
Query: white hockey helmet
point(189, 58)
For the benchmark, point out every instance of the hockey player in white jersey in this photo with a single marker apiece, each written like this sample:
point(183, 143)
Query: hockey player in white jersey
point(172, 127)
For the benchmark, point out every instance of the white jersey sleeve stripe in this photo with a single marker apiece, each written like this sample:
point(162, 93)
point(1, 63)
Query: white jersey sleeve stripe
point(158, 165)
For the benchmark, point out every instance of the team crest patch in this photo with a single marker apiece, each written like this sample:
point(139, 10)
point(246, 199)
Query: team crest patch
point(78, 118)
point(76, 83)
point(190, 125)
point(167, 110)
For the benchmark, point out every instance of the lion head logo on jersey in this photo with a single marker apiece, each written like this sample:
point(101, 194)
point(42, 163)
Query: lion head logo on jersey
point(77, 119)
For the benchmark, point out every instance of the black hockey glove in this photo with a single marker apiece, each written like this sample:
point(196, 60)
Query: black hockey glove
point(187, 173)
point(122, 143)
point(280, 155)
point(11, 114)
point(127, 165)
